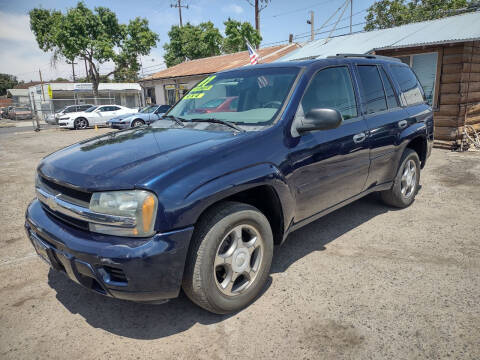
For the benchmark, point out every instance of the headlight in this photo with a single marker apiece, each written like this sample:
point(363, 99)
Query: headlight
point(139, 205)
point(64, 118)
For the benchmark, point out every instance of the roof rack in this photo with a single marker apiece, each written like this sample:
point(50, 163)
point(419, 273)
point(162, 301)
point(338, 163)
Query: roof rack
point(366, 56)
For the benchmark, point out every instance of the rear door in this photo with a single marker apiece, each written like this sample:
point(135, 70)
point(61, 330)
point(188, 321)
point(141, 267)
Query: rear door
point(330, 166)
point(385, 120)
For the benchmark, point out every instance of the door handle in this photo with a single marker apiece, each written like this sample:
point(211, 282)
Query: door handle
point(359, 137)
point(402, 124)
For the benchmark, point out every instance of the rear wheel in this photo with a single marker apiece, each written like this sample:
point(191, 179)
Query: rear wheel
point(229, 259)
point(137, 123)
point(81, 123)
point(406, 182)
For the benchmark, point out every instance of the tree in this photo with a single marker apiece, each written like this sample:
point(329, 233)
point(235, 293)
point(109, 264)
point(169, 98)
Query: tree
point(389, 13)
point(7, 82)
point(95, 36)
point(192, 42)
point(259, 5)
point(236, 32)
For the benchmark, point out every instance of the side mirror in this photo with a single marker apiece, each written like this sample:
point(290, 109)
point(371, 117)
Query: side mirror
point(320, 119)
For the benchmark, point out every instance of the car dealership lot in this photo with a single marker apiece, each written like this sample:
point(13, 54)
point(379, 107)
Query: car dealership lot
point(366, 281)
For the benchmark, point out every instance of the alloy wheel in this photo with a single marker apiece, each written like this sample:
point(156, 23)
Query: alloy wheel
point(408, 179)
point(238, 260)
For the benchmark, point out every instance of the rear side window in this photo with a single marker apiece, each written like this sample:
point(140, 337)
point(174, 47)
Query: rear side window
point(411, 90)
point(330, 88)
point(391, 97)
point(372, 89)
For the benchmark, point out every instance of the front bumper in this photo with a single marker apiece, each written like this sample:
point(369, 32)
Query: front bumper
point(66, 124)
point(119, 125)
point(143, 270)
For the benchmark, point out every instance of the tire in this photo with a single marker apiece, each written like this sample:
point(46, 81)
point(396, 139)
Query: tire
point(405, 188)
point(137, 122)
point(213, 240)
point(80, 124)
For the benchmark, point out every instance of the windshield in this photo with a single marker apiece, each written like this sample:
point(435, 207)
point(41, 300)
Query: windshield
point(148, 109)
point(91, 109)
point(60, 110)
point(247, 96)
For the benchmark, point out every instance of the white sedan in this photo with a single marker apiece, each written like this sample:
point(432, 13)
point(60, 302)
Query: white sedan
point(96, 115)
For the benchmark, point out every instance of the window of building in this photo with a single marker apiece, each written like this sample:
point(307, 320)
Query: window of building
point(425, 67)
point(372, 89)
point(331, 88)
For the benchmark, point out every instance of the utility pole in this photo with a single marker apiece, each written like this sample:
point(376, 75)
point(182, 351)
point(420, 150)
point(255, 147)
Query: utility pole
point(179, 6)
point(41, 84)
point(312, 25)
point(351, 14)
point(73, 68)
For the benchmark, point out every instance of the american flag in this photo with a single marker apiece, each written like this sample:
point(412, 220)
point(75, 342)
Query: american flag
point(252, 53)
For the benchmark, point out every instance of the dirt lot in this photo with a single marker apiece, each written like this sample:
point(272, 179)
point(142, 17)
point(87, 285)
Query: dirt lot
point(363, 282)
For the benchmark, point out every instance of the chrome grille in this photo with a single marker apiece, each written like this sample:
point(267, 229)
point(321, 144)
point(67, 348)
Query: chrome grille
point(72, 209)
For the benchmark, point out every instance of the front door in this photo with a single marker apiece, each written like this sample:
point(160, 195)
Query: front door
point(330, 166)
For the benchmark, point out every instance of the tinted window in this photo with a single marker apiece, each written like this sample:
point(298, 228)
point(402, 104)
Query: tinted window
point(114, 108)
point(372, 88)
point(408, 84)
point(163, 108)
point(70, 109)
point(391, 97)
point(83, 107)
point(105, 108)
point(330, 88)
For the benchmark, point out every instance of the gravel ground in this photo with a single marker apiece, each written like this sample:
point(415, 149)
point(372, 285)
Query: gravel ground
point(366, 281)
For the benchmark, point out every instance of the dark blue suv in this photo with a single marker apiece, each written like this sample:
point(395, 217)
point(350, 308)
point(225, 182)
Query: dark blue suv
point(198, 200)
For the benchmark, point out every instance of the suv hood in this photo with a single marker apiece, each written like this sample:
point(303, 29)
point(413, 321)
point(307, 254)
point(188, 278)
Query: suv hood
point(121, 160)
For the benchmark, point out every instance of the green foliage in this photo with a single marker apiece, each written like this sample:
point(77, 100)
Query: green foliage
point(236, 32)
point(7, 82)
point(95, 36)
point(192, 42)
point(204, 40)
point(389, 13)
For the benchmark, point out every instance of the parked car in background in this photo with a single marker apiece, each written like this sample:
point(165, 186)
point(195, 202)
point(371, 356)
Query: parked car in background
point(7, 112)
point(146, 116)
point(197, 201)
point(95, 115)
point(222, 104)
point(53, 118)
point(20, 113)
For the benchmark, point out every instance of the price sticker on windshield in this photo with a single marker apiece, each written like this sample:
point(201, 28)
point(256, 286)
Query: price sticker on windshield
point(194, 96)
point(203, 85)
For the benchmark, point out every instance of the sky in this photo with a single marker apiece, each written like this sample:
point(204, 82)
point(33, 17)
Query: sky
point(20, 55)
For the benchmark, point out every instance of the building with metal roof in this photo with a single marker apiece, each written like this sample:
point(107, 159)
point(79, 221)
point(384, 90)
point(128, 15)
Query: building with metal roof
point(445, 55)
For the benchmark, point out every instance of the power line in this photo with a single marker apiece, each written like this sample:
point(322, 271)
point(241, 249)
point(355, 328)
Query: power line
point(301, 9)
point(179, 6)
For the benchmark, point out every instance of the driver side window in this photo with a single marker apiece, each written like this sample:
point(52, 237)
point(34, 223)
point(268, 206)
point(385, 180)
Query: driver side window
point(330, 88)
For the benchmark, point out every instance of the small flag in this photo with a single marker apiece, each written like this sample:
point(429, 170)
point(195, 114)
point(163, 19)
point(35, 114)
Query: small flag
point(252, 53)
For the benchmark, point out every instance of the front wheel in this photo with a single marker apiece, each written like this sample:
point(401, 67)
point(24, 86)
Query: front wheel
point(405, 186)
point(229, 259)
point(137, 123)
point(80, 123)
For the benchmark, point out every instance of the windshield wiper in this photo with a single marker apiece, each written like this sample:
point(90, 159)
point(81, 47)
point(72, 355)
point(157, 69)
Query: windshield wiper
point(178, 120)
point(218, 121)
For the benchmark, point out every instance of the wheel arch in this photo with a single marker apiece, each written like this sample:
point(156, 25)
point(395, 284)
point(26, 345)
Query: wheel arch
point(419, 145)
point(267, 191)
